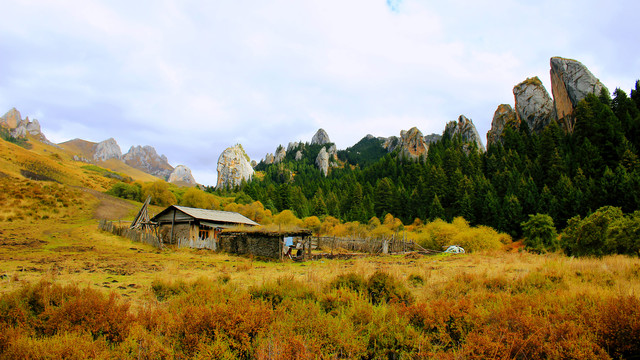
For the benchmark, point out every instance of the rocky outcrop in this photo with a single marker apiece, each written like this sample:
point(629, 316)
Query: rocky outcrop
point(320, 138)
point(269, 159)
point(281, 153)
point(533, 104)
point(145, 158)
point(20, 128)
point(333, 152)
point(390, 143)
point(181, 175)
point(233, 167)
point(430, 139)
point(504, 115)
point(571, 82)
point(298, 155)
point(322, 161)
point(108, 149)
point(467, 131)
point(11, 119)
point(292, 146)
point(412, 144)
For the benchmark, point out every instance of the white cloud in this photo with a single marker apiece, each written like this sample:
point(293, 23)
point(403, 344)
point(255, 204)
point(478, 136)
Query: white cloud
point(194, 78)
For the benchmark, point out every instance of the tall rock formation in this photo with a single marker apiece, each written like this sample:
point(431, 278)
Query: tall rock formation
point(467, 131)
point(269, 159)
point(504, 115)
point(107, 149)
point(281, 153)
point(320, 138)
point(181, 175)
point(533, 104)
point(412, 144)
point(571, 82)
point(233, 167)
point(322, 161)
point(20, 128)
point(145, 158)
point(11, 119)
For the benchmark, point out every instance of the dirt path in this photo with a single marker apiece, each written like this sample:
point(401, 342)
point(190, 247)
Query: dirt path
point(110, 208)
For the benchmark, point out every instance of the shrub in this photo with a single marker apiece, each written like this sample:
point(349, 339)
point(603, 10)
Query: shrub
point(383, 288)
point(618, 327)
point(350, 281)
point(539, 233)
point(282, 289)
point(589, 236)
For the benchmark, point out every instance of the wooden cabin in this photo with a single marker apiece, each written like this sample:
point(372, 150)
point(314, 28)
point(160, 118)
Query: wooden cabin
point(180, 222)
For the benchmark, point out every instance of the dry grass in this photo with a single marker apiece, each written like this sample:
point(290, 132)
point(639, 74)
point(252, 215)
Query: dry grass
point(58, 270)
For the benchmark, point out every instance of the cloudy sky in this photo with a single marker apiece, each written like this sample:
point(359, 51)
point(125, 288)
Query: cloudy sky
point(192, 78)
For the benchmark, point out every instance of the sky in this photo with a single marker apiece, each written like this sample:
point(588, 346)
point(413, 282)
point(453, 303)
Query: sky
point(192, 78)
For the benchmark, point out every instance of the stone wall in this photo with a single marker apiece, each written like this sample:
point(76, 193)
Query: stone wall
point(179, 231)
point(251, 244)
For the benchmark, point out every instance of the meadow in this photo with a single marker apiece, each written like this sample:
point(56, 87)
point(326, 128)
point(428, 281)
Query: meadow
point(70, 291)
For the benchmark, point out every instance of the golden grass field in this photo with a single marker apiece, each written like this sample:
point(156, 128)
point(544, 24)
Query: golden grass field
point(69, 290)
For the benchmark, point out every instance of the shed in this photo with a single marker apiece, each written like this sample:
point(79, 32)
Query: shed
point(265, 243)
point(181, 222)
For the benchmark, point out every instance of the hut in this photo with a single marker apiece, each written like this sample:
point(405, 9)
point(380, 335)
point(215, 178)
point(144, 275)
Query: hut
point(177, 223)
point(266, 244)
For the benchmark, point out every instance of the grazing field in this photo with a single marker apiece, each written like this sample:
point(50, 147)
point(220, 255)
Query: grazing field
point(69, 290)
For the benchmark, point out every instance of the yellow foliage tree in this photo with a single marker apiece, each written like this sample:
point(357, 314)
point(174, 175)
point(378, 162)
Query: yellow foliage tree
point(197, 198)
point(159, 192)
point(286, 218)
point(312, 223)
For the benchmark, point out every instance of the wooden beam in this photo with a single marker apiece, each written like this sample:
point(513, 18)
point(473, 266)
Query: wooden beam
point(173, 220)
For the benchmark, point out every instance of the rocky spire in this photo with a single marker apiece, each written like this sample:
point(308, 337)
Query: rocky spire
point(181, 175)
point(320, 138)
point(322, 161)
point(145, 158)
point(533, 104)
point(467, 131)
point(233, 167)
point(504, 115)
point(107, 149)
point(571, 82)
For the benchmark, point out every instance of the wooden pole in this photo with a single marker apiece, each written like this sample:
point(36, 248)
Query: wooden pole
point(173, 220)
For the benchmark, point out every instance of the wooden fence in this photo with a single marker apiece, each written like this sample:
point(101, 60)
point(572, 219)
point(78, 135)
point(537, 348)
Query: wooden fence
point(388, 245)
point(131, 234)
point(209, 243)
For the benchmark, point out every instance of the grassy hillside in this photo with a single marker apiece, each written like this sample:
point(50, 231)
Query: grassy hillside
point(69, 290)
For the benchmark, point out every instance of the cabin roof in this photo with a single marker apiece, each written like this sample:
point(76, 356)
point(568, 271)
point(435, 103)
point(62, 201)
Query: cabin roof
point(216, 216)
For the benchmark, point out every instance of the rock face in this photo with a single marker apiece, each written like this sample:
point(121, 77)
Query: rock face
point(571, 82)
point(430, 139)
point(390, 143)
point(292, 146)
point(11, 119)
point(108, 149)
point(280, 155)
point(320, 138)
point(233, 167)
point(181, 175)
point(467, 131)
point(20, 128)
point(533, 104)
point(322, 161)
point(145, 158)
point(412, 144)
point(298, 155)
point(504, 115)
point(333, 152)
point(269, 159)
